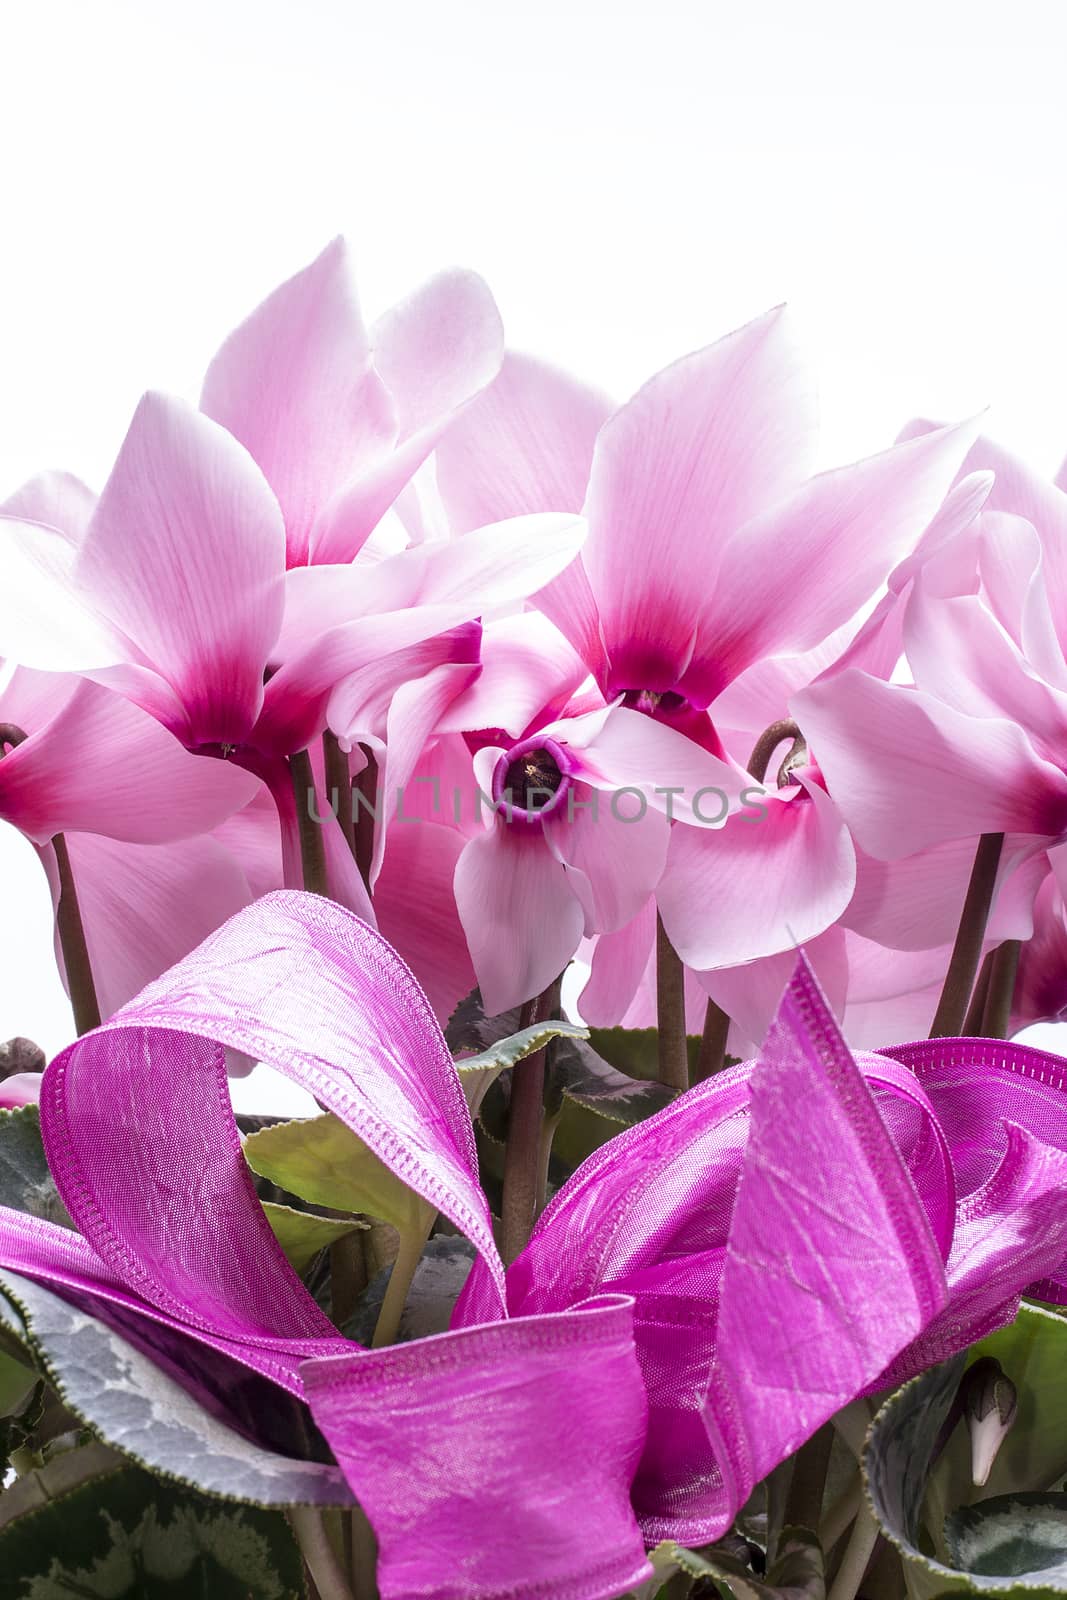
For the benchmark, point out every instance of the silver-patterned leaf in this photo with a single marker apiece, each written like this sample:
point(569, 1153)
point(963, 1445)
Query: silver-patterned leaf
point(127, 1536)
point(123, 1392)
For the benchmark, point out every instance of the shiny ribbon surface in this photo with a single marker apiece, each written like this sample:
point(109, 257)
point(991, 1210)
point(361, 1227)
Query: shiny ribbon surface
point(703, 1293)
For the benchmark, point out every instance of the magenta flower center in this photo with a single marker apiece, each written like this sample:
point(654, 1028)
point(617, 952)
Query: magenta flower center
point(532, 778)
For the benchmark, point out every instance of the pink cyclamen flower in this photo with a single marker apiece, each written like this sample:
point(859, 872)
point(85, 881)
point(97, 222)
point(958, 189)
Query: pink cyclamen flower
point(339, 416)
point(20, 1089)
point(173, 593)
point(976, 746)
point(710, 548)
point(575, 839)
point(710, 545)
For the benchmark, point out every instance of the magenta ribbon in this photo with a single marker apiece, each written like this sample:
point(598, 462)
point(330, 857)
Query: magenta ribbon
point(700, 1296)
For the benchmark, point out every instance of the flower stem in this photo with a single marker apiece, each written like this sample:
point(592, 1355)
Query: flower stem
point(803, 1506)
point(967, 950)
point(523, 1156)
point(312, 846)
point(364, 1557)
point(318, 1553)
point(767, 744)
point(339, 781)
point(1003, 970)
point(712, 1057)
point(405, 1266)
point(348, 1275)
point(857, 1555)
point(72, 942)
point(972, 1022)
point(366, 784)
point(548, 1133)
point(670, 1012)
point(69, 924)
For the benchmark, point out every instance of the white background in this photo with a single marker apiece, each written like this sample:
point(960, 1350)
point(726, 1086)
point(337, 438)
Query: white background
point(633, 178)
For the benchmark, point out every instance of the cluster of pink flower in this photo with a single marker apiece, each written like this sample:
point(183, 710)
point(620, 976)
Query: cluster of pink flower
point(397, 561)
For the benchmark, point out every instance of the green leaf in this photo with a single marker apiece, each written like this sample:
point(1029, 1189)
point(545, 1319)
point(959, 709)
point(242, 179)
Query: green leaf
point(25, 1181)
point(479, 1072)
point(1012, 1535)
point(323, 1161)
point(1033, 1354)
point(124, 1391)
point(60, 1476)
point(507, 1051)
point(908, 1501)
point(797, 1570)
point(302, 1234)
point(1032, 1458)
point(496, 1043)
point(468, 1028)
point(635, 1051)
point(126, 1536)
point(664, 1567)
point(896, 1466)
point(582, 1076)
point(16, 1381)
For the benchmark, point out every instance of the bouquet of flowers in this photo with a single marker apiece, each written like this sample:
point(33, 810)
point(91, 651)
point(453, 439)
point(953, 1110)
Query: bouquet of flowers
point(581, 804)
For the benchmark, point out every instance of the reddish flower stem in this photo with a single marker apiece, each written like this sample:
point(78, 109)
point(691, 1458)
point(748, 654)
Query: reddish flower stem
point(69, 924)
point(712, 1057)
point(80, 983)
point(972, 1022)
point(967, 950)
point(366, 783)
point(670, 1013)
point(339, 782)
point(312, 845)
point(1003, 970)
point(523, 1155)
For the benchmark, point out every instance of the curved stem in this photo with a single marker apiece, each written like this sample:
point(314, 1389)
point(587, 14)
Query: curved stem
point(1003, 970)
point(670, 1012)
point(712, 1057)
point(312, 845)
point(72, 943)
point(767, 744)
point(318, 1553)
point(967, 950)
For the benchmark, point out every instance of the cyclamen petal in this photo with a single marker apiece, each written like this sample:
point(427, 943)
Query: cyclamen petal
point(296, 385)
point(699, 450)
point(522, 918)
point(763, 884)
point(907, 771)
point(185, 556)
point(102, 765)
